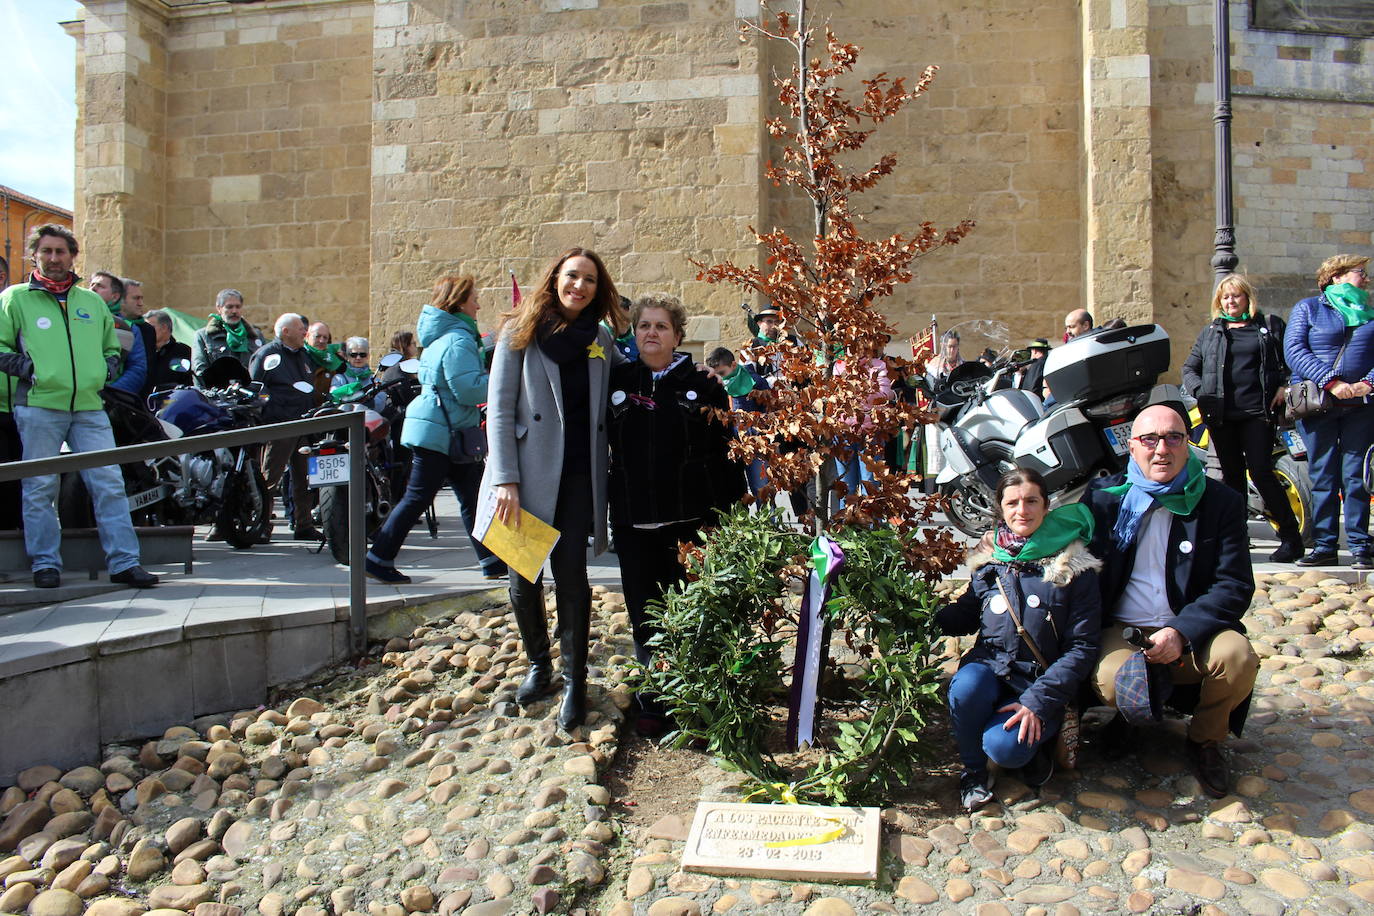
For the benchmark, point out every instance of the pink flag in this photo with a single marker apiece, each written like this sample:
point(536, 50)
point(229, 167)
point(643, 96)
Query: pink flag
point(514, 291)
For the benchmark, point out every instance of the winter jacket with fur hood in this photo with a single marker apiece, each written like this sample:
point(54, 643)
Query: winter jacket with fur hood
point(1060, 606)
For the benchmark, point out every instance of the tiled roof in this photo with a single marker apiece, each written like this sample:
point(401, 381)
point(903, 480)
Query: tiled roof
point(6, 191)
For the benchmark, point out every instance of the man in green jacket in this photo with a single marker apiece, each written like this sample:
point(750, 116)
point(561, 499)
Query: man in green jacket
point(57, 340)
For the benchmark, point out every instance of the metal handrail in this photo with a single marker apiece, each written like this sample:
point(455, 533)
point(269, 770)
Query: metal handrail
point(357, 451)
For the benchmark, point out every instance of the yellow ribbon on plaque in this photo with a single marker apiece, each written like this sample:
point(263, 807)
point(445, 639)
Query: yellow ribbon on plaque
point(786, 793)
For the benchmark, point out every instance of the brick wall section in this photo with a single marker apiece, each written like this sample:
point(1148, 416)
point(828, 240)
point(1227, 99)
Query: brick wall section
point(268, 123)
point(503, 136)
point(998, 138)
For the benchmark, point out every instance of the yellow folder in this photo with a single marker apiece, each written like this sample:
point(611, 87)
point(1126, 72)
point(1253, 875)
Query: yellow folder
point(525, 548)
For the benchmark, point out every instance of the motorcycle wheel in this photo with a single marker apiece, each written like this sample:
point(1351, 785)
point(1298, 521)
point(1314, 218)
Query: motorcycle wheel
point(1298, 488)
point(334, 521)
point(968, 510)
point(244, 507)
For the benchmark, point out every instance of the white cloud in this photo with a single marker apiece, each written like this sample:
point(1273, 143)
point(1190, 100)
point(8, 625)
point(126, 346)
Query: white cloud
point(38, 99)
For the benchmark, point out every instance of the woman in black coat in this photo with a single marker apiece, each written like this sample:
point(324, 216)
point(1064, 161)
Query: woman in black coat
point(1237, 373)
point(1005, 705)
point(670, 467)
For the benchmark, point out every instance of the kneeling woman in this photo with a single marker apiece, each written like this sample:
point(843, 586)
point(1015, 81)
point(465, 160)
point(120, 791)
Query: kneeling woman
point(1034, 603)
point(670, 468)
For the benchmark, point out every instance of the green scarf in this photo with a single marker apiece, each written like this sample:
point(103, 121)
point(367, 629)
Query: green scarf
point(471, 323)
point(115, 306)
point(1060, 528)
point(740, 382)
point(235, 336)
point(139, 320)
point(1351, 301)
point(358, 373)
point(327, 359)
point(1181, 503)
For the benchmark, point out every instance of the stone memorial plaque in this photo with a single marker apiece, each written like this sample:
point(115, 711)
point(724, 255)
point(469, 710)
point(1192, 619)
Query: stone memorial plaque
point(739, 839)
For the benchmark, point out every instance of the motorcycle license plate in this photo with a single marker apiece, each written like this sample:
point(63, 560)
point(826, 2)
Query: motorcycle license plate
point(1119, 436)
point(1293, 442)
point(328, 470)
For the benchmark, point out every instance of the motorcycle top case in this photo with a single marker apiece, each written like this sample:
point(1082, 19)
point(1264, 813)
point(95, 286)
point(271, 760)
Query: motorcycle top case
point(192, 412)
point(1103, 363)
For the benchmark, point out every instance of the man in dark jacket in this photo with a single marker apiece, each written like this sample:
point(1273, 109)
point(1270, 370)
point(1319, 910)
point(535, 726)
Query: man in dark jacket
point(1176, 565)
point(279, 365)
point(171, 365)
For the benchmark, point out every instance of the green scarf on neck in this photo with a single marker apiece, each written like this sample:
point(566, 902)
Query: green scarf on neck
point(236, 337)
point(327, 359)
point(1060, 528)
point(358, 373)
point(1178, 503)
point(470, 323)
point(740, 382)
point(115, 306)
point(1351, 301)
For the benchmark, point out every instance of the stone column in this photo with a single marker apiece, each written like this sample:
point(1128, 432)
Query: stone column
point(1118, 218)
point(121, 168)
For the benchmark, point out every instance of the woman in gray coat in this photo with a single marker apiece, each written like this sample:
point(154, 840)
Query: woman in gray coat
point(547, 436)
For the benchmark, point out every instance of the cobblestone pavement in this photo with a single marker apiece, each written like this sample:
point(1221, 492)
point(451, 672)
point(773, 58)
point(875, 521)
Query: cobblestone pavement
point(413, 784)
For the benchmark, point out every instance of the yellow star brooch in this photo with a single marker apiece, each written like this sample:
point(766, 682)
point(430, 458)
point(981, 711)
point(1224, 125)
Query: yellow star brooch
point(595, 351)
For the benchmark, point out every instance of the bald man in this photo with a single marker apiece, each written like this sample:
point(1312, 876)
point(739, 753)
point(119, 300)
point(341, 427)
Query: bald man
point(1077, 322)
point(1176, 565)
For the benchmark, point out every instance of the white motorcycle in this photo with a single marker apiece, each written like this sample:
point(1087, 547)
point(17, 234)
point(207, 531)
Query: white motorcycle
point(1098, 381)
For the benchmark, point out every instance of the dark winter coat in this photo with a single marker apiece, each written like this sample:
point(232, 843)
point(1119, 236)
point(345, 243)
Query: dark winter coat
point(1060, 607)
point(279, 368)
point(212, 342)
point(1204, 371)
point(669, 460)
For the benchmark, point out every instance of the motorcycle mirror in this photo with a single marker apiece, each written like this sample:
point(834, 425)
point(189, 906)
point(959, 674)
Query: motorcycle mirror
point(1021, 356)
point(181, 365)
point(303, 387)
point(410, 366)
point(391, 359)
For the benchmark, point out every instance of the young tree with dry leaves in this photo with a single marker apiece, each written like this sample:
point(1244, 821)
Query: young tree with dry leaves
point(835, 399)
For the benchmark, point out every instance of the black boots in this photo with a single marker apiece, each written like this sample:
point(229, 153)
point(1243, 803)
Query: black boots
point(534, 632)
point(573, 635)
point(536, 684)
point(573, 712)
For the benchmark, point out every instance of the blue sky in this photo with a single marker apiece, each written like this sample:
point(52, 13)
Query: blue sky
point(38, 99)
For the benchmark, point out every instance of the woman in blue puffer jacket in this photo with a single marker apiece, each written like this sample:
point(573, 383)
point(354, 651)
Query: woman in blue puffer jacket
point(1330, 341)
point(453, 379)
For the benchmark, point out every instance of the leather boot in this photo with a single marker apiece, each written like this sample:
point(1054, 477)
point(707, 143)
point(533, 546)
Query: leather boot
point(573, 635)
point(534, 633)
point(573, 712)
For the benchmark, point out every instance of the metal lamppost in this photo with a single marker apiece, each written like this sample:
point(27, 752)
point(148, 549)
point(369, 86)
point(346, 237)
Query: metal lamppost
point(1224, 261)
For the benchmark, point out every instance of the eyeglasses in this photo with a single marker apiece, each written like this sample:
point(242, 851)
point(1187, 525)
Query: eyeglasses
point(1152, 440)
point(357, 356)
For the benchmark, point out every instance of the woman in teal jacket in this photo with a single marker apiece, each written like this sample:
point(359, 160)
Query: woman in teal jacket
point(454, 382)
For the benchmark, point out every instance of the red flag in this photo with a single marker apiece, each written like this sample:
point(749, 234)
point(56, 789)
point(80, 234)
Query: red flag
point(514, 292)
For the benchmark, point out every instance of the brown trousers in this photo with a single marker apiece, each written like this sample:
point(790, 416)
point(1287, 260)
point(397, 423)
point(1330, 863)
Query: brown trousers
point(1225, 667)
point(275, 456)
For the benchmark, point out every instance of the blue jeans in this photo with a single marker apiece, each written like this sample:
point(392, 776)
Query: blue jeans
point(852, 472)
point(43, 431)
point(975, 695)
point(429, 471)
point(1336, 445)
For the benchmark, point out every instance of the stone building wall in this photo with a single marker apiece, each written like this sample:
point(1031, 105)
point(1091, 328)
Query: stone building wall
point(335, 156)
point(998, 138)
point(504, 133)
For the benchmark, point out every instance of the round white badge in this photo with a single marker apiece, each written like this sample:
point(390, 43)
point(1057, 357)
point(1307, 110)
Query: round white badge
point(272, 362)
point(1033, 600)
point(44, 323)
point(1185, 547)
point(998, 605)
point(691, 395)
point(617, 397)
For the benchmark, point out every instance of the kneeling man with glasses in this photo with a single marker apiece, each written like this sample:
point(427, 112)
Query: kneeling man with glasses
point(1176, 566)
